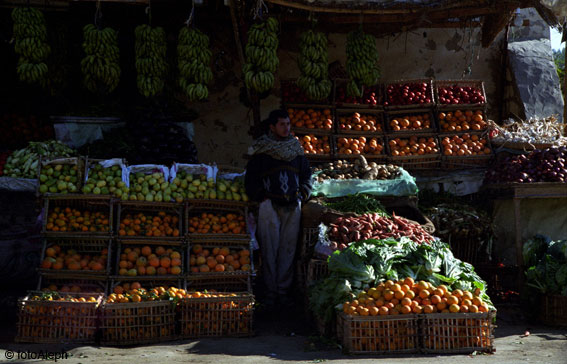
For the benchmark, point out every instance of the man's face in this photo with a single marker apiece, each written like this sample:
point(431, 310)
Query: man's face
point(282, 127)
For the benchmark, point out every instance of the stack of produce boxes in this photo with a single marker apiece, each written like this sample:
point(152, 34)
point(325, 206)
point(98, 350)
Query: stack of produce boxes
point(312, 122)
point(219, 300)
point(461, 112)
point(412, 131)
point(75, 262)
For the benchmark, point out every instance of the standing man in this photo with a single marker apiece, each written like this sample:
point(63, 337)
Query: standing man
point(278, 177)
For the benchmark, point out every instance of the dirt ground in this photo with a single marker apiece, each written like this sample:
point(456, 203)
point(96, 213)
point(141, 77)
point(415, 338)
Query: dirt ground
point(288, 338)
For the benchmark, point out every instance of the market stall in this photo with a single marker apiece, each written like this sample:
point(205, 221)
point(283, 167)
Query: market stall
point(148, 245)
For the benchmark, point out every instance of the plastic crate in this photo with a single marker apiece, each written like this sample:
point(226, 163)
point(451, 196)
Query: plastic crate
point(217, 316)
point(452, 333)
point(153, 209)
point(554, 312)
point(57, 321)
point(316, 270)
point(137, 323)
point(101, 204)
point(379, 334)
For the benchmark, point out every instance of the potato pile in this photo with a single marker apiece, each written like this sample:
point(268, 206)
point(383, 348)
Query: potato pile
point(360, 169)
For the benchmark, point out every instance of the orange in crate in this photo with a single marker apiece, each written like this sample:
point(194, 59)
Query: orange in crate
point(465, 145)
point(218, 259)
point(413, 145)
point(57, 259)
point(207, 223)
point(358, 122)
point(147, 261)
point(359, 145)
point(314, 144)
point(151, 225)
point(410, 122)
point(458, 120)
point(310, 118)
point(73, 220)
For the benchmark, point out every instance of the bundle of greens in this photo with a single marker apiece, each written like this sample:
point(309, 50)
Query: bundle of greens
point(359, 204)
point(365, 263)
point(547, 265)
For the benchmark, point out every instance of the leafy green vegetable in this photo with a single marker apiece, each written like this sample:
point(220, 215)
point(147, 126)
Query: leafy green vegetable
point(547, 265)
point(367, 262)
point(359, 204)
point(534, 249)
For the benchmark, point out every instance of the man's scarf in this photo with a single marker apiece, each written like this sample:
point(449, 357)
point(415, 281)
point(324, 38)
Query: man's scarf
point(285, 150)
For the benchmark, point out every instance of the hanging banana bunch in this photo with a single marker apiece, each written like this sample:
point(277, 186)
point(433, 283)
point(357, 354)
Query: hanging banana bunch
point(194, 58)
point(314, 65)
point(361, 63)
point(261, 56)
point(151, 65)
point(30, 33)
point(100, 67)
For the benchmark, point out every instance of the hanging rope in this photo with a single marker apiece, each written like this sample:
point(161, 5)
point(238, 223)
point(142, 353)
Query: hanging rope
point(149, 11)
point(191, 14)
point(98, 15)
point(259, 9)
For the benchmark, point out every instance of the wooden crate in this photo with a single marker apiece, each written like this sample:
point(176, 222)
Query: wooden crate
point(178, 246)
point(221, 282)
point(57, 321)
point(153, 209)
point(217, 316)
point(198, 207)
point(347, 113)
point(452, 333)
point(101, 204)
point(554, 310)
point(379, 334)
point(358, 102)
point(82, 245)
point(74, 283)
point(137, 323)
point(478, 84)
point(431, 95)
point(210, 244)
point(378, 158)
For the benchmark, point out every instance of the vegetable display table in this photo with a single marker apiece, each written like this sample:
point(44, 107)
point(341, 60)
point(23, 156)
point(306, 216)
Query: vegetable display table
point(519, 192)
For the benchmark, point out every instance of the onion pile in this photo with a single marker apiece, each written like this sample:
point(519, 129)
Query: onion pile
point(548, 165)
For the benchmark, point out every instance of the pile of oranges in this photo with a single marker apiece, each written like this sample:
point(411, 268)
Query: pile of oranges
point(411, 122)
point(314, 144)
point(141, 224)
point(70, 288)
point(413, 145)
point(462, 121)
point(218, 259)
point(207, 223)
point(406, 297)
point(359, 145)
point(311, 119)
point(147, 261)
point(358, 122)
point(56, 296)
point(465, 145)
point(57, 259)
point(72, 220)
point(134, 292)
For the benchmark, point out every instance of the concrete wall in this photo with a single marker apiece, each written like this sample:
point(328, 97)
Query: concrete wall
point(222, 129)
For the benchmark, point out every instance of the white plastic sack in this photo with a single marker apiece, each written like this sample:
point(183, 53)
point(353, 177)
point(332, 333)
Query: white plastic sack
point(113, 162)
point(209, 171)
point(147, 169)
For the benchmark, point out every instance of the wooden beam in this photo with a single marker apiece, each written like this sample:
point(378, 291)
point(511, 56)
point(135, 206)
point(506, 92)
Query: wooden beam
point(367, 10)
point(493, 25)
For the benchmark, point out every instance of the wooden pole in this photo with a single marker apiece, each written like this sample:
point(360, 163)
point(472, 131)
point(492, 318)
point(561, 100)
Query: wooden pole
point(565, 89)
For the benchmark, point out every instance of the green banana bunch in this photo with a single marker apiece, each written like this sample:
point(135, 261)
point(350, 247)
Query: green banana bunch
point(361, 64)
point(100, 67)
point(30, 33)
point(193, 62)
point(313, 63)
point(261, 56)
point(151, 65)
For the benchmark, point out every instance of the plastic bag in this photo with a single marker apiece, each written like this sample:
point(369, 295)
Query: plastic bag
point(109, 163)
point(147, 169)
point(209, 171)
point(402, 186)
